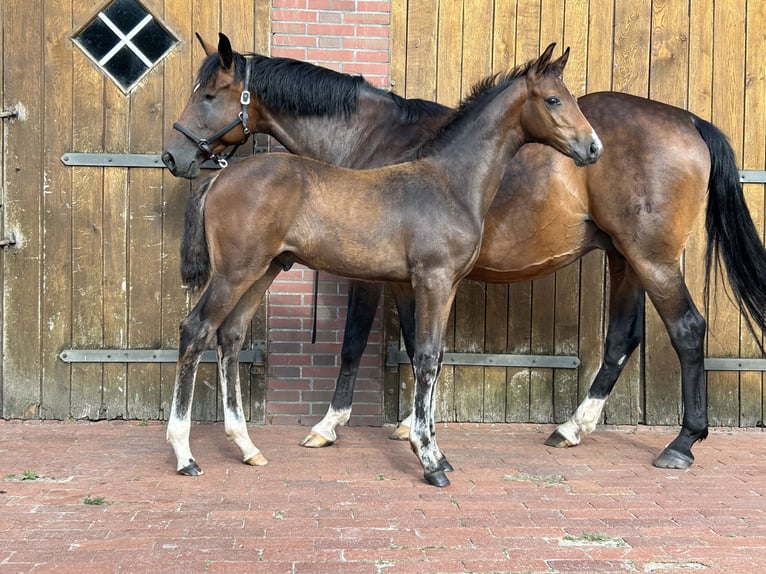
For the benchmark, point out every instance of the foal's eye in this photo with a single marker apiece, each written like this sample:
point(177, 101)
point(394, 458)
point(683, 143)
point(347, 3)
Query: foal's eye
point(209, 97)
point(552, 101)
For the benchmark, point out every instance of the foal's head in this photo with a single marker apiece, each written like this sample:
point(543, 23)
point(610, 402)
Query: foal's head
point(551, 114)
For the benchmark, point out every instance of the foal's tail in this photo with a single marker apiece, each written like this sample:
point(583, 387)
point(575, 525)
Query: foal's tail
point(732, 236)
point(195, 259)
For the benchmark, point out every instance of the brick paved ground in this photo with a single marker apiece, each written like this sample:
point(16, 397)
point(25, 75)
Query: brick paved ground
point(361, 506)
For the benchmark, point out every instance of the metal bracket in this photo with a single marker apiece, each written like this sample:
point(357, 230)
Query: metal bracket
point(7, 242)
point(396, 357)
point(256, 355)
point(735, 364)
point(752, 176)
point(120, 160)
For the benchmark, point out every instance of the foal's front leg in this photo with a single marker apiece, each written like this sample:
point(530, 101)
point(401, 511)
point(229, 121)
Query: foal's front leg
point(434, 296)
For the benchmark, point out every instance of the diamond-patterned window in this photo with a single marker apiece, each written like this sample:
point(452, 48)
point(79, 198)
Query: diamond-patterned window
point(125, 41)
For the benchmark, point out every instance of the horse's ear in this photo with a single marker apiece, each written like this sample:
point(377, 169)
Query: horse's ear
point(544, 60)
point(557, 66)
point(207, 47)
point(224, 52)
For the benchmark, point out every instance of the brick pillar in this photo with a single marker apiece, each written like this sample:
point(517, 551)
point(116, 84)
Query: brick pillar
point(351, 36)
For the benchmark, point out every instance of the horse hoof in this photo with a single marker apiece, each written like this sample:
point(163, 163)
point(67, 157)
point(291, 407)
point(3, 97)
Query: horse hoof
point(256, 460)
point(558, 440)
point(670, 458)
point(437, 478)
point(445, 465)
point(191, 469)
point(314, 440)
point(400, 433)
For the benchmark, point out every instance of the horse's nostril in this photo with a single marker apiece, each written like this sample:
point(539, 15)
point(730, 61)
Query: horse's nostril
point(167, 159)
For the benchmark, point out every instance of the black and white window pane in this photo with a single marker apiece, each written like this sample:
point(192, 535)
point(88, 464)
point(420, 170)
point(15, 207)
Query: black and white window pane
point(125, 41)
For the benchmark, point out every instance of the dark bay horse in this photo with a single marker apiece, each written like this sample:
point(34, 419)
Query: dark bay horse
point(417, 224)
point(637, 203)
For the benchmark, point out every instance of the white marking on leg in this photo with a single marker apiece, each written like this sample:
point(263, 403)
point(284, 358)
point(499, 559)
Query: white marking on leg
point(234, 417)
point(178, 437)
point(583, 421)
point(326, 427)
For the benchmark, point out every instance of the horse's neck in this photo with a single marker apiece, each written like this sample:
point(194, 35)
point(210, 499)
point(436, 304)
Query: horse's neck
point(479, 147)
point(374, 136)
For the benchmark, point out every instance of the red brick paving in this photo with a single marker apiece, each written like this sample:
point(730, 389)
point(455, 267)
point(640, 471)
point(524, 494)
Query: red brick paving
point(361, 507)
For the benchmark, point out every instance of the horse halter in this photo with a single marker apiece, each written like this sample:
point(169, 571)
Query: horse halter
point(204, 143)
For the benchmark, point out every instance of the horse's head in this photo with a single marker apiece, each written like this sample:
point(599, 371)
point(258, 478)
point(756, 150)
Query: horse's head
point(219, 113)
point(551, 114)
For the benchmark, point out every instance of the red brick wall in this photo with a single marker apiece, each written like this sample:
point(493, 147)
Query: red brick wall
point(351, 36)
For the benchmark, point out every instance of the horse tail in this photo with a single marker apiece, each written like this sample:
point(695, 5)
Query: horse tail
point(195, 259)
point(732, 236)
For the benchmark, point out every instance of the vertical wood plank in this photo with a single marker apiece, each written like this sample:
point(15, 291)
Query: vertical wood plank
point(668, 71)
point(205, 20)
point(145, 244)
point(567, 297)
point(87, 236)
point(496, 339)
point(754, 157)
point(394, 401)
point(57, 224)
point(728, 113)
point(259, 328)
point(700, 99)
point(469, 338)
point(593, 276)
point(22, 210)
point(179, 70)
point(630, 73)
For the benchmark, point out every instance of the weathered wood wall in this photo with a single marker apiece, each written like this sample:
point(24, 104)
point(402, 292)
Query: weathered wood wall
point(708, 57)
point(96, 259)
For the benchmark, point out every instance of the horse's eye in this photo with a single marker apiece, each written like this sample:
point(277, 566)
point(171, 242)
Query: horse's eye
point(209, 97)
point(552, 101)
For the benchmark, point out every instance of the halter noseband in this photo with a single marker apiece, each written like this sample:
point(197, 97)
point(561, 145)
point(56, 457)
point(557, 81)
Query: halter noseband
point(242, 118)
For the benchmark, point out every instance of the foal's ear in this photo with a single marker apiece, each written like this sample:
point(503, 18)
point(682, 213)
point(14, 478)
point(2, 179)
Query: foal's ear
point(544, 60)
point(208, 48)
point(224, 51)
point(557, 66)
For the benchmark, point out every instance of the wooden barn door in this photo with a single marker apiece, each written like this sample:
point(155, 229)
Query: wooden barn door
point(96, 222)
point(664, 50)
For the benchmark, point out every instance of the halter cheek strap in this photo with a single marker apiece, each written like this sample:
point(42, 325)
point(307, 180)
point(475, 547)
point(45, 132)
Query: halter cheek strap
point(242, 119)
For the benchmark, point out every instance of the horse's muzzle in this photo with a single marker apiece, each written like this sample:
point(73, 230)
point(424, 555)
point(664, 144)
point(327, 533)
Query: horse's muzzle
point(588, 153)
point(189, 172)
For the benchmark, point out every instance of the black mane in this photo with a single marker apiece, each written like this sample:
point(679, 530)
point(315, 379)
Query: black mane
point(482, 92)
point(299, 88)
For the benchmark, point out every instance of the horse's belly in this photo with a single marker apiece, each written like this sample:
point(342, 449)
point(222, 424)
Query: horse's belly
point(522, 245)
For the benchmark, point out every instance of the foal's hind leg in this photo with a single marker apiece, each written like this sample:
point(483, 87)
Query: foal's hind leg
point(196, 332)
point(231, 335)
point(625, 331)
point(363, 301)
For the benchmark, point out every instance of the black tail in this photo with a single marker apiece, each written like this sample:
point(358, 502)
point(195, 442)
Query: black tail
point(732, 237)
point(195, 259)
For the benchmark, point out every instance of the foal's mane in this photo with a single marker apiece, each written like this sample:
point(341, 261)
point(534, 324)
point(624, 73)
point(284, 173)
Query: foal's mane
point(482, 92)
point(303, 89)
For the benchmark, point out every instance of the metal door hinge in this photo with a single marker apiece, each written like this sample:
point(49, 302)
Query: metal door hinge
point(8, 114)
point(7, 242)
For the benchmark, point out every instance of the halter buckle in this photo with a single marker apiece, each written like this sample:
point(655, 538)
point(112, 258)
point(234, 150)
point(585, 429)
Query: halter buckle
point(244, 98)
